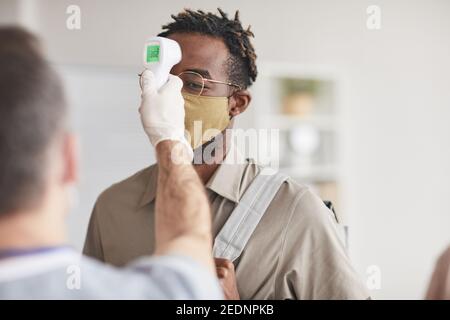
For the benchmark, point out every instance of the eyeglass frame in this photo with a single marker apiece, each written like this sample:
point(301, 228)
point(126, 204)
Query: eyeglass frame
point(203, 81)
point(212, 81)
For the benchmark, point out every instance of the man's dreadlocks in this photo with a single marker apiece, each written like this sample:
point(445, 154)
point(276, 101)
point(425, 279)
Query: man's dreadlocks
point(241, 63)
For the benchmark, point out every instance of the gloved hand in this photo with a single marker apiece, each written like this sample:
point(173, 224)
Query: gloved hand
point(162, 112)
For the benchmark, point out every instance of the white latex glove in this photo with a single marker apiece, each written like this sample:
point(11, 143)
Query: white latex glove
point(162, 112)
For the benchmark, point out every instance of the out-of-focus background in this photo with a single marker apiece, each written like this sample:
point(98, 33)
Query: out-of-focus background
point(363, 113)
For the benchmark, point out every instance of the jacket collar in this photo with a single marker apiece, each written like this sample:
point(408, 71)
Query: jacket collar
point(226, 181)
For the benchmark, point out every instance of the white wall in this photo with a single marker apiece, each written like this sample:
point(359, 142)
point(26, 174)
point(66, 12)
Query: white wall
point(395, 116)
point(104, 104)
point(9, 11)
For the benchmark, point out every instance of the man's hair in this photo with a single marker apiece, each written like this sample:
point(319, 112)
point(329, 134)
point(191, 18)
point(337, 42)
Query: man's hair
point(32, 113)
point(242, 61)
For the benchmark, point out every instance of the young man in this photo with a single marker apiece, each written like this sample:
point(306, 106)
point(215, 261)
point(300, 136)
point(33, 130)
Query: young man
point(294, 252)
point(38, 164)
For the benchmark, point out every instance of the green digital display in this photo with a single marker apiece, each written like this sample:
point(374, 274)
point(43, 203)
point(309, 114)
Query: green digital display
point(153, 53)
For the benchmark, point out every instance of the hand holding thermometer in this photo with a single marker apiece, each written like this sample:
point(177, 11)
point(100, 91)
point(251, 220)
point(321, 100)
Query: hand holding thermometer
point(160, 55)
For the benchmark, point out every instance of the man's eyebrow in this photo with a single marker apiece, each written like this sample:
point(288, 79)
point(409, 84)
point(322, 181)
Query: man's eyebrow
point(204, 73)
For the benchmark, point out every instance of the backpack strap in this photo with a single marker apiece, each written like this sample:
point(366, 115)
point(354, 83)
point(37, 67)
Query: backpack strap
point(234, 235)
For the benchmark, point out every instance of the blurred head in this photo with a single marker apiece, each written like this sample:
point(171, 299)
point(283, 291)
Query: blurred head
point(37, 160)
point(217, 48)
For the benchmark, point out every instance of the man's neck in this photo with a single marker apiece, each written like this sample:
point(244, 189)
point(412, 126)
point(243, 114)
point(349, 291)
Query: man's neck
point(206, 170)
point(30, 230)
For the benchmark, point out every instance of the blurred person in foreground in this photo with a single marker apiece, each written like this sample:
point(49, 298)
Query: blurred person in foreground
point(38, 164)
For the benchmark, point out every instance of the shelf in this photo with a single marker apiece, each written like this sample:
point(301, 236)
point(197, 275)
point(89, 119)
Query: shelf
point(282, 97)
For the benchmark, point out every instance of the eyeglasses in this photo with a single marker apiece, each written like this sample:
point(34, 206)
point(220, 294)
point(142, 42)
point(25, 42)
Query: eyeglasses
point(194, 83)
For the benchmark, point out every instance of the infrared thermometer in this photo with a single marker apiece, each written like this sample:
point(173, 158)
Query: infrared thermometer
point(160, 55)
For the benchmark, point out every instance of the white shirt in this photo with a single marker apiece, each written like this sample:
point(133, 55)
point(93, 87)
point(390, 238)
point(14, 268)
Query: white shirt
point(65, 274)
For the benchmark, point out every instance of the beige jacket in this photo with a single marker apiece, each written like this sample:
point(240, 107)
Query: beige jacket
point(294, 253)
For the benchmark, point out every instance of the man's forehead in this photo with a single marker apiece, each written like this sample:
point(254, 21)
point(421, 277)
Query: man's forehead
point(201, 52)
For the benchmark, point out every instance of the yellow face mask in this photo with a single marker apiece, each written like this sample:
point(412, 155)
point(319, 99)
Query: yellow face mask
point(205, 117)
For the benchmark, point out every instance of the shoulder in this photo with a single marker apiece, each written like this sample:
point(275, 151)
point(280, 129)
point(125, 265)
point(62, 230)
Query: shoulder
point(294, 202)
point(293, 199)
point(297, 199)
point(289, 190)
point(127, 192)
point(296, 207)
point(136, 182)
point(305, 204)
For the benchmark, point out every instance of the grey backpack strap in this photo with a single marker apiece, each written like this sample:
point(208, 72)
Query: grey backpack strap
point(232, 239)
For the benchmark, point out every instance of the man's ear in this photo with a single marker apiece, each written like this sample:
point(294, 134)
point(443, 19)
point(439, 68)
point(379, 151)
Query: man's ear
point(70, 157)
point(239, 102)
